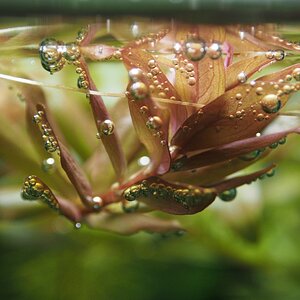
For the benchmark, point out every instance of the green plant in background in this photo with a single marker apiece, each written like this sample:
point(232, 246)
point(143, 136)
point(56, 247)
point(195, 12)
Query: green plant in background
point(194, 112)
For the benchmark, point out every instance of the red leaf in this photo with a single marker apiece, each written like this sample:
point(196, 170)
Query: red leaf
point(110, 140)
point(233, 150)
point(239, 113)
point(73, 171)
point(169, 197)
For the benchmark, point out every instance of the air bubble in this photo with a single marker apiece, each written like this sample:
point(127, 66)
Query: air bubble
point(214, 51)
point(195, 49)
point(107, 127)
point(242, 77)
point(139, 90)
point(270, 103)
point(228, 195)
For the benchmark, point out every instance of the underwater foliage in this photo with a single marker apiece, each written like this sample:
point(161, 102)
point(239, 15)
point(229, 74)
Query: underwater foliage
point(193, 114)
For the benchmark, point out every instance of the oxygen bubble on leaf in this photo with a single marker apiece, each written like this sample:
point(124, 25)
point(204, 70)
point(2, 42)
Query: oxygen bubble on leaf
point(135, 74)
point(195, 49)
point(98, 202)
point(139, 90)
point(242, 77)
point(228, 195)
point(250, 156)
point(154, 122)
point(130, 206)
point(107, 127)
point(50, 51)
point(279, 55)
point(214, 51)
point(296, 74)
point(144, 161)
point(177, 48)
point(77, 225)
point(71, 52)
point(270, 103)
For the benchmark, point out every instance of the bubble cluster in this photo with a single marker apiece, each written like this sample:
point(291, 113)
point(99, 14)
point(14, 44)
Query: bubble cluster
point(34, 189)
point(54, 54)
point(50, 141)
point(187, 197)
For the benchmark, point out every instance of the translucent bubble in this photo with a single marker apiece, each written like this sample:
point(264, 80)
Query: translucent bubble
point(251, 156)
point(270, 103)
point(144, 161)
point(139, 90)
point(228, 195)
point(71, 52)
point(154, 122)
point(242, 77)
point(259, 90)
point(77, 225)
point(296, 74)
point(107, 127)
point(135, 74)
point(177, 48)
point(279, 55)
point(97, 202)
point(214, 51)
point(195, 49)
point(130, 206)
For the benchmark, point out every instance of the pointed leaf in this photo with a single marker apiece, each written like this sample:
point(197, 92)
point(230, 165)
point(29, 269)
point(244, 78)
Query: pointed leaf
point(248, 66)
point(240, 113)
point(54, 145)
point(235, 149)
point(35, 189)
point(110, 139)
point(241, 180)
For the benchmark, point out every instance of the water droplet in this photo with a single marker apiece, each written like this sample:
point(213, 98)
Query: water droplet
point(191, 81)
point(228, 195)
point(154, 122)
point(144, 109)
point(51, 54)
point(135, 74)
point(260, 117)
point(130, 206)
point(71, 52)
point(107, 127)
point(189, 67)
point(97, 202)
point(242, 77)
point(238, 96)
point(139, 90)
point(135, 30)
point(77, 225)
point(282, 141)
point(214, 51)
point(48, 165)
point(259, 90)
point(250, 156)
point(279, 55)
point(177, 48)
point(151, 63)
point(270, 103)
point(144, 161)
point(195, 49)
point(270, 54)
point(296, 74)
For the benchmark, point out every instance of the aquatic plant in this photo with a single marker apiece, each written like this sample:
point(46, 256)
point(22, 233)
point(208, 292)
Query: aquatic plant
point(193, 114)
